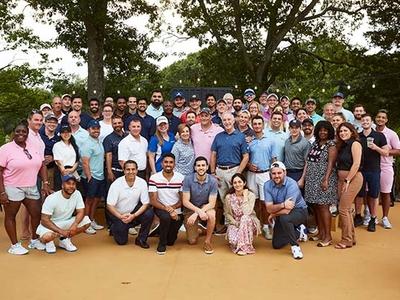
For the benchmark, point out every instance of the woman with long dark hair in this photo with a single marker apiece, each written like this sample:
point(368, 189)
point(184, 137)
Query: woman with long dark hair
point(241, 218)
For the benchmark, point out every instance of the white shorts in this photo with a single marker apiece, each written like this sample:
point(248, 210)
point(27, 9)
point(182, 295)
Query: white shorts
point(65, 224)
point(255, 182)
point(21, 193)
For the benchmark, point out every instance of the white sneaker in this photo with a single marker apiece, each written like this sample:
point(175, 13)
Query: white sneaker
point(366, 220)
point(132, 231)
point(96, 226)
point(386, 224)
point(51, 248)
point(67, 245)
point(267, 231)
point(303, 235)
point(37, 244)
point(17, 249)
point(296, 252)
point(90, 230)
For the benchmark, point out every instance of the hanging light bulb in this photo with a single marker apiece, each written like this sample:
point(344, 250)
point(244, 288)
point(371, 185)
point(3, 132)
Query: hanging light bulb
point(118, 92)
point(277, 90)
point(236, 86)
point(73, 92)
point(215, 82)
point(348, 87)
point(161, 86)
point(180, 81)
point(323, 90)
point(94, 92)
point(255, 88)
point(138, 89)
point(373, 85)
point(299, 89)
point(198, 79)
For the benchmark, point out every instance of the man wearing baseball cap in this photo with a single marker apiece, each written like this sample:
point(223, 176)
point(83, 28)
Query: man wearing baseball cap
point(92, 156)
point(249, 95)
point(311, 106)
point(58, 220)
point(66, 103)
point(272, 100)
point(338, 100)
point(287, 209)
point(45, 109)
point(194, 106)
point(180, 104)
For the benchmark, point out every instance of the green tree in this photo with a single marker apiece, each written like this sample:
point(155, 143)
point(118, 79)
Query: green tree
point(96, 31)
point(258, 30)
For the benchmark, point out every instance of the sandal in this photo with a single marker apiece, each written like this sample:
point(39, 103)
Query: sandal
point(341, 246)
point(326, 244)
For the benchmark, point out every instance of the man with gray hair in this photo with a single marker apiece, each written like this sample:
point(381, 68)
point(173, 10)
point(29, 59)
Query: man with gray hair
point(228, 97)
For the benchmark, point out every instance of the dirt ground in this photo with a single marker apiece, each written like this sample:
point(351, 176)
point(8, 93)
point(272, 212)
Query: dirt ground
point(102, 270)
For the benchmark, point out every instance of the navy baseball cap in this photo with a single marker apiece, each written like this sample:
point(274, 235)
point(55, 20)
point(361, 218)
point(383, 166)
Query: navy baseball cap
point(309, 121)
point(295, 123)
point(249, 92)
point(67, 177)
point(338, 94)
point(93, 123)
point(178, 94)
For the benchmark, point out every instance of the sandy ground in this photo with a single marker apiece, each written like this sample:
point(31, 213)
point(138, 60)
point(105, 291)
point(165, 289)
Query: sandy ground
point(102, 270)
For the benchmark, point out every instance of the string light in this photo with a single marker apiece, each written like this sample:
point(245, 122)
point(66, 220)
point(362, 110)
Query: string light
point(323, 90)
point(255, 88)
point(138, 89)
point(348, 87)
point(236, 86)
point(180, 81)
point(277, 90)
point(94, 92)
point(161, 86)
point(373, 85)
point(299, 89)
point(198, 79)
point(73, 92)
point(118, 92)
point(215, 82)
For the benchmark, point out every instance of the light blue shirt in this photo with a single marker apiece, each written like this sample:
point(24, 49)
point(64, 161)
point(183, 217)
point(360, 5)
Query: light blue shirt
point(278, 138)
point(316, 118)
point(93, 149)
point(279, 193)
point(154, 112)
point(348, 115)
point(261, 152)
point(80, 136)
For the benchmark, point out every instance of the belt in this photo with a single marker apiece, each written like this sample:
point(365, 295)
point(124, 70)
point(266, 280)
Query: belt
point(260, 171)
point(227, 167)
point(117, 170)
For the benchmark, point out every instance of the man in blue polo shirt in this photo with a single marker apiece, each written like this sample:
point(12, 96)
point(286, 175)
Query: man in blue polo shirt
point(92, 156)
point(287, 208)
point(148, 122)
point(229, 155)
point(199, 198)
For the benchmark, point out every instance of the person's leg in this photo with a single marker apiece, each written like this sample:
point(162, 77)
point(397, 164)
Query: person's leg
point(386, 183)
point(25, 223)
point(145, 220)
point(210, 225)
point(192, 233)
point(119, 230)
point(93, 208)
point(165, 223)
point(34, 209)
point(292, 220)
point(318, 219)
point(326, 219)
point(11, 209)
point(174, 229)
point(386, 201)
point(279, 239)
point(48, 237)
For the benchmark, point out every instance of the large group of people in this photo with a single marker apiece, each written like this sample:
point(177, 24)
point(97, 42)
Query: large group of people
point(234, 166)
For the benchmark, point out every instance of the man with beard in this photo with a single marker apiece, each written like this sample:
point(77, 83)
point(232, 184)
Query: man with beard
point(128, 205)
point(237, 106)
point(120, 108)
point(180, 105)
point(92, 157)
point(173, 121)
point(132, 105)
point(194, 106)
point(387, 173)
point(191, 118)
point(358, 112)
point(199, 198)
point(94, 109)
point(155, 108)
point(308, 130)
point(66, 104)
point(165, 189)
point(310, 106)
point(338, 100)
point(211, 102)
point(147, 122)
point(63, 216)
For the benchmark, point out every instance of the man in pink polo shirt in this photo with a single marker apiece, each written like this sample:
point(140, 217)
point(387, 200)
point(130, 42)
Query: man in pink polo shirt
point(203, 134)
point(387, 173)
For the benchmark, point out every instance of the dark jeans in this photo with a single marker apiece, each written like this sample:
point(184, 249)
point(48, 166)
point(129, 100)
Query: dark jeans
point(285, 228)
point(168, 228)
point(120, 230)
point(294, 174)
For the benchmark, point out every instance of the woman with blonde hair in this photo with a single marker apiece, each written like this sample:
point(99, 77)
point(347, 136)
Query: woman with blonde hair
point(183, 151)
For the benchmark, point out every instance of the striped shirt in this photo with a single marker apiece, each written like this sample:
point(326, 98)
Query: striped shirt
point(168, 192)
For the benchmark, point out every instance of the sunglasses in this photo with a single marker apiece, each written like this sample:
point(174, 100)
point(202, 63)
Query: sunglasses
point(28, 155)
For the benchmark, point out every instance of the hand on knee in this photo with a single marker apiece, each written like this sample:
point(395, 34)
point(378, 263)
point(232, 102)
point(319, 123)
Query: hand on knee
point(48, 237)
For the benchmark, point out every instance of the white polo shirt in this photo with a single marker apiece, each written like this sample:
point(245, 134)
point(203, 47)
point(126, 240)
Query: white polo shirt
point(167, 191)
point(125, 197)
point(131, 148)
point(64, 153)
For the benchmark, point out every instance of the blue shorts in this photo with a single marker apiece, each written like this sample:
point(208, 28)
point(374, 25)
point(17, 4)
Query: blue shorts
point(372, 180)
point(94, 188)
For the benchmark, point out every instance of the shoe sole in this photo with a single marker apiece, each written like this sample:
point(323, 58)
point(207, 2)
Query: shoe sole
point(208, 252)
point(67, 250)
point(53, 252)
point(10, 252)
point(161, 253)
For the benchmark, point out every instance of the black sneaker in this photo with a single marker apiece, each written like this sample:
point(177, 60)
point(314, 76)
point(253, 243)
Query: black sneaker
point(161, 250)
point(358, 220)
point(221, 231)
point(372, 225)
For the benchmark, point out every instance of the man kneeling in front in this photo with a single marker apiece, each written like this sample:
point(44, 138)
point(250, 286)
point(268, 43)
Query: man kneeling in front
point(58, 220)
point(287, 208)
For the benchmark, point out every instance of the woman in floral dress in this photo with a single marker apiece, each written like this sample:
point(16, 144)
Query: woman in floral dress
point(241, 218)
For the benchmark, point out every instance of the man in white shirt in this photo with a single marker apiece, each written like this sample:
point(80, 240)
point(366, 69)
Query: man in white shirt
point(134, 147)
point(128, 204)
point(58, 220)
point(165, 190)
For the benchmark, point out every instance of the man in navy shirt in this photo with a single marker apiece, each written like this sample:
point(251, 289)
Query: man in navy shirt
point(286, 207)
point(173, 121)
point(148, 122)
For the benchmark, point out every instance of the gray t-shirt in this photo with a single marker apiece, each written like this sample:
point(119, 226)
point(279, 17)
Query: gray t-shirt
point(296, 153)
point(200, 192)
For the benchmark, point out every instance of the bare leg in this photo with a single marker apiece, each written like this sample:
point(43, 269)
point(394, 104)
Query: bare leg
point(210, 225)
point(11, 210)
point(326, 222)
point(373, 205)
point(34, 210)
point(25, 223)
point(385, 198)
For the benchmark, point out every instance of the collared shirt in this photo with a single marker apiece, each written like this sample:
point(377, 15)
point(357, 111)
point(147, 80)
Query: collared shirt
point(105, 129)
point(159, 150)
point(93, 149)
point(280, 193)
point(110, 144)
point(296, 152)
point(80, 136)
point(124, 197)
point(36, 141)
point(49, 143)
point(184, 157)
point(148, 125)
point(279, 138)
point(132, 149)
point(200, 192)
point(262, 151)
point(393, 142)
point(347, 114)
point(203, 139)
point(167, 191)
point(179, 111)
point(229, 148)
point(173, 123)
point(154, 111)
point(316, 118)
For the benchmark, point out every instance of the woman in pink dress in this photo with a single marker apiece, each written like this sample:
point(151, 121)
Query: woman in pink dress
point(241, 218)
